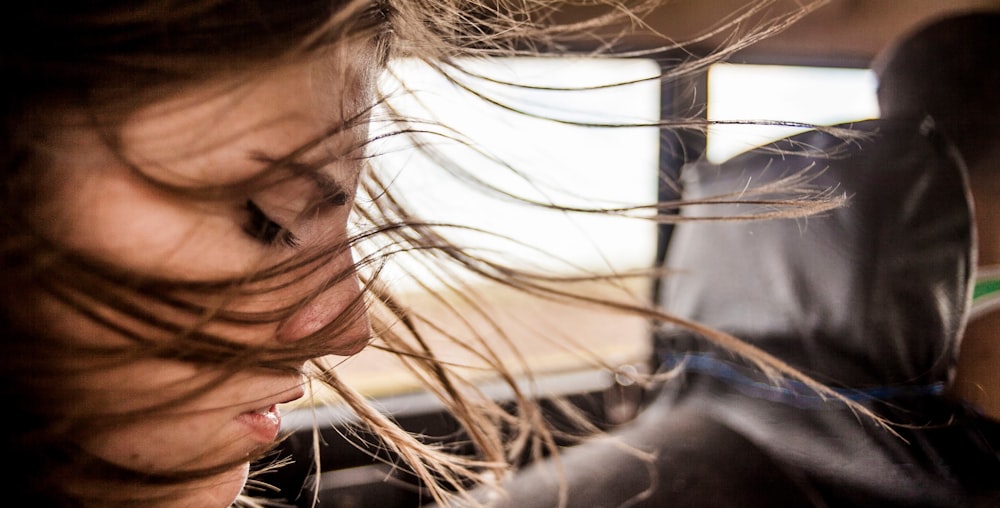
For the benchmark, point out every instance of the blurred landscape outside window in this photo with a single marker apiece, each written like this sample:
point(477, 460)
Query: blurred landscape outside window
point(610, 166)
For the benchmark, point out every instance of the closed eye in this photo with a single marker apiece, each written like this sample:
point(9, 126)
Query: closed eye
point(265, 230)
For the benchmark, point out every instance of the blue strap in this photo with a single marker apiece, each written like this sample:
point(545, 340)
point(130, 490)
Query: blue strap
point(788, 391)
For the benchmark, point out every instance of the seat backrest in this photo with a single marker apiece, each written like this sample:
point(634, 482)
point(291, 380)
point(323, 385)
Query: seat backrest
point(873, 293)
point(869, 294)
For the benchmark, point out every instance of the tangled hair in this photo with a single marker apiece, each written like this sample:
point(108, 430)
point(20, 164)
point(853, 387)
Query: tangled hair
point(109, 59)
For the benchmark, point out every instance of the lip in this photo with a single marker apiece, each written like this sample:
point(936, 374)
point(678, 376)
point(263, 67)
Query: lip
point(264, 422)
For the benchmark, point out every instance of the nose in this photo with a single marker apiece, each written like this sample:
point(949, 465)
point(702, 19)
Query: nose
point(343, 303)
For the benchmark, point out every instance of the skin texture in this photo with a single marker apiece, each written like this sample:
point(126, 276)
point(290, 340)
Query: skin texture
point(100, 206)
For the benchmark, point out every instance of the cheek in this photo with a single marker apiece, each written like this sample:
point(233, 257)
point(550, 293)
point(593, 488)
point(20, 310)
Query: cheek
point(200, 431)
point(160, 444)
point(144, 230)
point(217, 491)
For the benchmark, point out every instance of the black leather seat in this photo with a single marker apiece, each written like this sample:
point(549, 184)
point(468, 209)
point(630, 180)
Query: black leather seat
point(870, 298)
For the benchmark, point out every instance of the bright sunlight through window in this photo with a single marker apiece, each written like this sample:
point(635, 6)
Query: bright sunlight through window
point(552, 161)
point(809, 95)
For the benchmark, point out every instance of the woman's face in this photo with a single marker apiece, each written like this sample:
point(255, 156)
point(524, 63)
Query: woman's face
point(204, 137)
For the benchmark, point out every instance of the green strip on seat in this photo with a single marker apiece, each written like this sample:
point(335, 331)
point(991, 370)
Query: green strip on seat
point(986, 287)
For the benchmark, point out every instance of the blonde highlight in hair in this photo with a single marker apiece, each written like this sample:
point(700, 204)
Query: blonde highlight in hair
point(503, 435)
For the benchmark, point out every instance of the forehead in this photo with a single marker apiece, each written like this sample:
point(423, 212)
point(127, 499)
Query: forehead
point(95, 197)
point(210, 134)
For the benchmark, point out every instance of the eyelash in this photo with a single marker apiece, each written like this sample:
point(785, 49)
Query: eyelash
point(264, 229)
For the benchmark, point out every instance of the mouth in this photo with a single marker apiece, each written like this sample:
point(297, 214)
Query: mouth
point(265, 422)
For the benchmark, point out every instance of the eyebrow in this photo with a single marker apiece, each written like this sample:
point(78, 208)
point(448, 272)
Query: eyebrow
point(332, 192)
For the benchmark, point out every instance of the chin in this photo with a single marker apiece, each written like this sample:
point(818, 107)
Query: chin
point(229, 487)
point(218, 492)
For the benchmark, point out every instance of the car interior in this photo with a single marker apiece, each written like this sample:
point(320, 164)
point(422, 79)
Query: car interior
point(823, 61)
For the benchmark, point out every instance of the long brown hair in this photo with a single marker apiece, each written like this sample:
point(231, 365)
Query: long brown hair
point(108, 60)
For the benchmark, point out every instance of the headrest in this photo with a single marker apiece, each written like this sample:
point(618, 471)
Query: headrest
point(873, 293)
